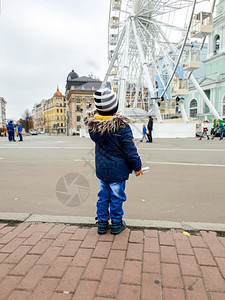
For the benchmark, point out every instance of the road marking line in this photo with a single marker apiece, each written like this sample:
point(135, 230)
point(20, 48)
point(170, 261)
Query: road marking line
point(83, 160)
point(79, 148)
point(183, 164)
point(144, 149)
point(163, 163)
point(184, 149)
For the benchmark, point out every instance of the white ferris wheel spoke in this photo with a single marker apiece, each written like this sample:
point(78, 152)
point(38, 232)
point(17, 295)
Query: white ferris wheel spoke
point(154, 62)
point(167, 57)
point(149, 48)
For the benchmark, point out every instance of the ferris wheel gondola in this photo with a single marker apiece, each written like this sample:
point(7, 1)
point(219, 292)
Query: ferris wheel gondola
point(146, 41)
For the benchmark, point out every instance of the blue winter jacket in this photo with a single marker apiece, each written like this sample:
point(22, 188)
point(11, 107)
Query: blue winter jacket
point(10, 128)
point(20, 128)
point(115, 153)
point(223, 127)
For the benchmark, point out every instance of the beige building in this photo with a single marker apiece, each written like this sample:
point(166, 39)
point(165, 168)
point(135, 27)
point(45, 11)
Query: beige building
point(2, 112)
point(79, 94)
point(38, 116)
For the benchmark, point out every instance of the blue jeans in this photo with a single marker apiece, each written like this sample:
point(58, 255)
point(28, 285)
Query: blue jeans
point(20, 136)
point(111, 196)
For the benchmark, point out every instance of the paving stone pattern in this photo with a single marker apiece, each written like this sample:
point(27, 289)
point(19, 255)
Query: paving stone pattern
point(61, 262)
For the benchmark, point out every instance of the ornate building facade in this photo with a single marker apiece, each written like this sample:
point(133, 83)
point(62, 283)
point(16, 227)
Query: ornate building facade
point(54, 113)
point(38, 116)
point(213, 81)
point(2, 112)
point(79, 94)
point(50, 115)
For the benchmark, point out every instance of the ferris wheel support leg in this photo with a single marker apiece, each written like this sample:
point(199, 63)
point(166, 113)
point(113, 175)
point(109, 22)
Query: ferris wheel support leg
point(205, 98)
point(146, 70)
point(114, 57)
point(123, 79)
point(183, 112)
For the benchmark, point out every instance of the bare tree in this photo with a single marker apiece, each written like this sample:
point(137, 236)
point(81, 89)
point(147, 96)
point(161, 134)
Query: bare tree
point(26, 120)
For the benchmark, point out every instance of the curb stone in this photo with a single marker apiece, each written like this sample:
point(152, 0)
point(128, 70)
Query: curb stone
point(133, 223)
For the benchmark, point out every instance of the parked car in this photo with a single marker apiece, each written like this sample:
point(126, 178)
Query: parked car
point(32, 132)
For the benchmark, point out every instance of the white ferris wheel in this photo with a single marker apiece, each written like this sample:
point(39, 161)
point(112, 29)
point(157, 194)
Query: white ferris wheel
point(148, 41)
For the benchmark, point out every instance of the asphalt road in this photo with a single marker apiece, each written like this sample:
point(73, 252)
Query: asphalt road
point(54, 175)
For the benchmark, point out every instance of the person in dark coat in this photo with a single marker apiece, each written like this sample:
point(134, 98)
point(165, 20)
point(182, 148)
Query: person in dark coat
point(11, 131)
point(150, 128)
point(115, 158)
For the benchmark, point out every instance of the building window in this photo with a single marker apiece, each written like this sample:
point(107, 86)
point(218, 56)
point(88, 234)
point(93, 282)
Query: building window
point(206, 108)
point(193, 108)
point(78, 100)
point(61, 110)
point(78, 127)
point(223, 109)
point(57, 110)
point(78, 118)
point(61, 124)
point(78, 108)
point(216, 44)
point(88, 100)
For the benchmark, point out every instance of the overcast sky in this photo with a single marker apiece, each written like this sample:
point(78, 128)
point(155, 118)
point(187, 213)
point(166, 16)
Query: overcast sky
point(41, 41)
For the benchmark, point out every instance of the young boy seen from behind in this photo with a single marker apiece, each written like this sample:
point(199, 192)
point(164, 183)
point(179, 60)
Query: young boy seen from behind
point(115, 158)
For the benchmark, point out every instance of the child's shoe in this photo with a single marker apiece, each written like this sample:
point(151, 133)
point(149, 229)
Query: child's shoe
point(103, 226)
point(117, 227)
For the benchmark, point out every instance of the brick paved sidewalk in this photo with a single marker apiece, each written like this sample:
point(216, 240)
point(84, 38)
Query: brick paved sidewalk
point(57, 261)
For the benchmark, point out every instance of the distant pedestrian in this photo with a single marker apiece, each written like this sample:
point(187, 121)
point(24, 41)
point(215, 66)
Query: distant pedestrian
point(217, 129)
point(20, 128)
point(115, 158)
point(223, 131)
point(150, 128)
point(144, 134)
point(11, 132)
point(204, 131)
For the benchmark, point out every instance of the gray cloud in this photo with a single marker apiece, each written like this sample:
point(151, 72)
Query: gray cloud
point(42, 41)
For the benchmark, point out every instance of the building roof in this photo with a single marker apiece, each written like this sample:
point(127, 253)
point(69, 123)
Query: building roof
point(88, 86)
point(74, 80)
point(58, 93)
point(84, 79)
point(72, 75)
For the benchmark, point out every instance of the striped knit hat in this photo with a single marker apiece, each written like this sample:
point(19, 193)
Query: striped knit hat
point(106, 101)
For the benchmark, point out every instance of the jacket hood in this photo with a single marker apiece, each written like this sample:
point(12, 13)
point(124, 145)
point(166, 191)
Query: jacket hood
point(101, 124)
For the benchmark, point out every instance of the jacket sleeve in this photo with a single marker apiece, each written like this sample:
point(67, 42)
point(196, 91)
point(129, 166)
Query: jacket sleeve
point(129, 149)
